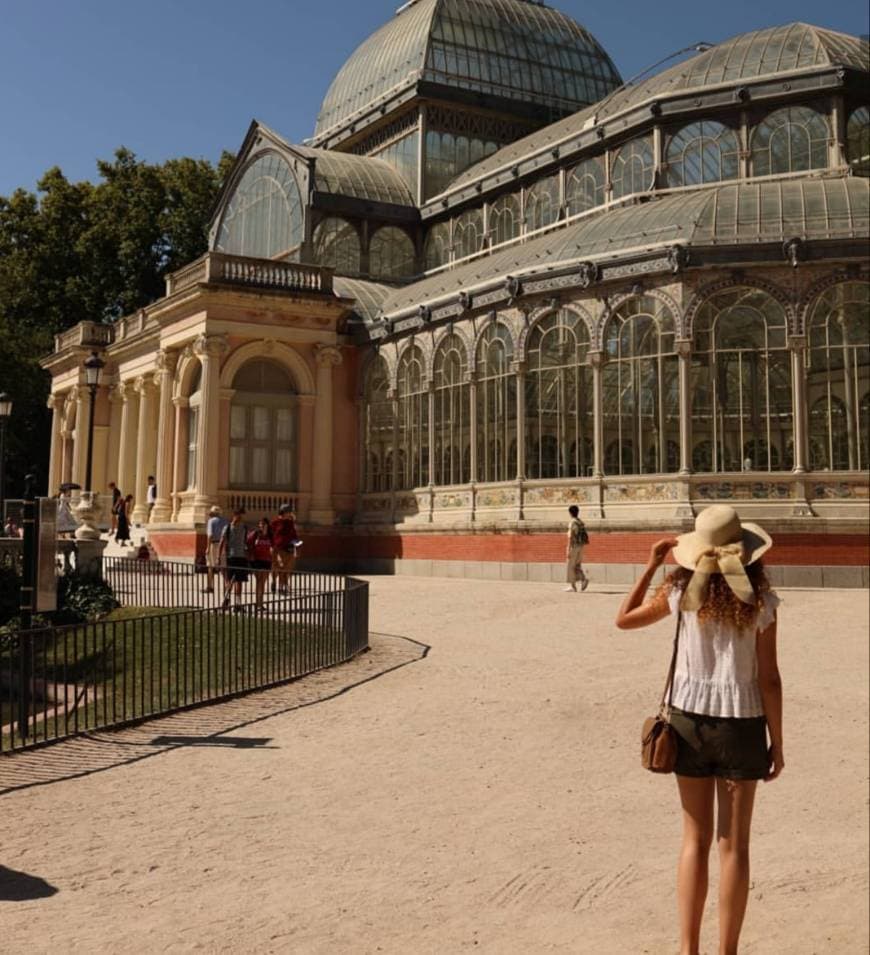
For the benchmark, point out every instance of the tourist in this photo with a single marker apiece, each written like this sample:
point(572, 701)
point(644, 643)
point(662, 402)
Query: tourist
point(260, 550)
point(117, 497)
point(214, 530)
point(151, 495)
point(285, 540)
point(574, 551)
point(125, 509)
point(234, 554)
point(726, 690)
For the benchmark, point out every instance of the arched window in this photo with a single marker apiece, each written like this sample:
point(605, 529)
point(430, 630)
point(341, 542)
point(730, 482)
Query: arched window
point(452, 411)
point(584, 186)
point(858, 141)
point(413, 425)
point(790, 140)
point(701, 152)
point(741, 381)
point(378, 419)
point(838, 376)
point(558, 399)
point(468, 233)
point(263, 216)
point(391, 253)
point(437, 249)
point(496, 406)
point(263, 428)
point(631, 169)
point(542, 203)
point(337, 245)
point(504, 219)
point(640, 388)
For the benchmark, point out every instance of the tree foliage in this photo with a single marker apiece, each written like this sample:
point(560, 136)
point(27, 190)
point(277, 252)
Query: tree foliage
point(83, 251)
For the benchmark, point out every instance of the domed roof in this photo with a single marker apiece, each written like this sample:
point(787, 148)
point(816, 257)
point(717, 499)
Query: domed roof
point(781, 49)
point(518, 50)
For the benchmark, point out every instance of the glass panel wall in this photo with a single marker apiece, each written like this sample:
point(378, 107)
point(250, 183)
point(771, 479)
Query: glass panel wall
point(505, 219)
point(452, 439)
point(701, 152)
point(543, 203)
point(379, 416)
point(391, 254)
point(448, 154)
point(263, 217)
point(838, 378)
point(413, 420)
point(631, 169)
point(585, 186)
point(437, 249)
point(741, 384)
point(558, 398)
point(858, 141)
point(496, 406)
point(403, 156)
point(789, 140)
point(337, 245)
point(468, 233)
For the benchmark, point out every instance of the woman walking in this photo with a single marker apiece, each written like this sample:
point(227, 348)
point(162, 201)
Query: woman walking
point(125, 509)
point(260, 549)
point(727, 696)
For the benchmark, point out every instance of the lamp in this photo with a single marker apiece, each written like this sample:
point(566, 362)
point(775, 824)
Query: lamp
point(5, 412)
point(93, 367)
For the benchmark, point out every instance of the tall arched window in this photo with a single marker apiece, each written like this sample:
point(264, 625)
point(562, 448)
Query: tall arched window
point(263, 428)
point(793, 139)
point(337, 245)
point(542, 203)
point(413, 425)
point(378, 421)
point(701, 152)
point(584, 186)
point(391, 253)
point(496, 406)
point(858, 141)
point(452, 436)
point(640, 390)
point(838, 376)
point(504, 219)
point(559, 408)
point(741, 382)
point(631, 169)
point(468, 233)
point(437, 250)
point(263, 217)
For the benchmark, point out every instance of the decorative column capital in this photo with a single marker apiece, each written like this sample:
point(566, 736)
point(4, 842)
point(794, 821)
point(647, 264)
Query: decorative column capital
point(181, 401)
point(597, 359)
point(797, 343)
point(54, 402)
point(116, 392)
point(145, 385)
point(210, 346)
point(683, 348)
point(327, 356)
point(126, 389)
point(166, 361)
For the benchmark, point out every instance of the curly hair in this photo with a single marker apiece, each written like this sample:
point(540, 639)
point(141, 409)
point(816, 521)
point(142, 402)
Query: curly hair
point(721, 603)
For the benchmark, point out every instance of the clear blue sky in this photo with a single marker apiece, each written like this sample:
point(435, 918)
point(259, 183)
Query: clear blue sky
point(78, 78)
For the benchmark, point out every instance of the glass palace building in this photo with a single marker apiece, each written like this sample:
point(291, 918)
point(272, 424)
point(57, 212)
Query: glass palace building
point(497, 281)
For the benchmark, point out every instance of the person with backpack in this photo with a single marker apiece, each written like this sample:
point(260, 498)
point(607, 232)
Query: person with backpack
point(577, 540)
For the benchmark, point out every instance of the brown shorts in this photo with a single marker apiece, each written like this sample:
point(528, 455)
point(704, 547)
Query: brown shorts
point(729, 747)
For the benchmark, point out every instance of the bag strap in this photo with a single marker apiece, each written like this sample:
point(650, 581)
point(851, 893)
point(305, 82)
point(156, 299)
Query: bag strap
point(668, 691)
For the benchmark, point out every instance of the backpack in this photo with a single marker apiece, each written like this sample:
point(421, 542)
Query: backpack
point(582, 537)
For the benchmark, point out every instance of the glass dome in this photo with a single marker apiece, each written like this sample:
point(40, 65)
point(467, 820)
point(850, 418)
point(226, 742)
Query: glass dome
point(517, 50)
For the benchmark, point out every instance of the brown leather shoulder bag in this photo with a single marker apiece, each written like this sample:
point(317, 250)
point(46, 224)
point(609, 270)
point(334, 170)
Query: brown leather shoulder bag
point(658, 739)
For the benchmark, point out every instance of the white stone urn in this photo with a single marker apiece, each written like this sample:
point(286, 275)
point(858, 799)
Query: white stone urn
point(85, 513)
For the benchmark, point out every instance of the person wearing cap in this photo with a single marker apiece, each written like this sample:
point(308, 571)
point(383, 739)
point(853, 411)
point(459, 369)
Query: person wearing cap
point(726, 700)
point(285, 540)
point(214, 530)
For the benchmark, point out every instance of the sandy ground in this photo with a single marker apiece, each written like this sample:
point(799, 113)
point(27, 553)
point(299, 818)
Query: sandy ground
point(485, 796)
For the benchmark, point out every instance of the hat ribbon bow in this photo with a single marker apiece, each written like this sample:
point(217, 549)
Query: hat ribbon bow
point(727, 561)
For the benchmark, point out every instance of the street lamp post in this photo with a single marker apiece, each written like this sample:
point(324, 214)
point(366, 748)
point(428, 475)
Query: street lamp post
point(5, 412)
point(93, 366)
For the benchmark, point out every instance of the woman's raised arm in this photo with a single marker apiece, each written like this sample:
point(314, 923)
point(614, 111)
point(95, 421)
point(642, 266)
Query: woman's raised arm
point(635, 611)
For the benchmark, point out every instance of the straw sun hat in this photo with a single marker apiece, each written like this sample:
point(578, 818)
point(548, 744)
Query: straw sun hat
point(719, 544)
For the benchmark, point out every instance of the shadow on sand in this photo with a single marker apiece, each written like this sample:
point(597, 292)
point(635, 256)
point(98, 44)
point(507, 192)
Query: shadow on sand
point(21, 887)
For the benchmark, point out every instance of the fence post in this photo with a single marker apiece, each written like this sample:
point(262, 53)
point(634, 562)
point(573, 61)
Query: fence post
point(26, 606)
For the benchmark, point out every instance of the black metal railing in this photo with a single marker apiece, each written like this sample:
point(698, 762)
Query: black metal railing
point(57, 682)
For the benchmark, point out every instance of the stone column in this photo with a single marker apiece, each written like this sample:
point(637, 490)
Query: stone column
point(166, 363)
point(520, 376)
point(179, 454)
point(55, 467)
point(127, 444)
point(596, 359)
point(472, 428)
point(145, 445)
point(431, 427)
point(327, 357)
point(113, 448)
point(65, 456)
point(209, 349)
point(684, 359)
point(80, 449)
point(796, 345)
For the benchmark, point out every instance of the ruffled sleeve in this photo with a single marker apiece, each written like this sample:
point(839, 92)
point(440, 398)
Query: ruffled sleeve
point(768, 607)
point(674, 599)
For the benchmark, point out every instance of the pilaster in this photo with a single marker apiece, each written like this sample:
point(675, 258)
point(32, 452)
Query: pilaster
point(167, 362)
point(327, 357)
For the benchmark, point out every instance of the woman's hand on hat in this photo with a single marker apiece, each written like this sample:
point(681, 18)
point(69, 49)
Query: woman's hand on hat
point(659, 551)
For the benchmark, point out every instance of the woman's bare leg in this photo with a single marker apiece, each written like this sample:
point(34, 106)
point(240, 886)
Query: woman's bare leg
point(736, 799)
point(697, 797)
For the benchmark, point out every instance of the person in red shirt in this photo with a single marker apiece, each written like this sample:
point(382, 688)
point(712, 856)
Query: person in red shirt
point(260, 550)
point(285, 540)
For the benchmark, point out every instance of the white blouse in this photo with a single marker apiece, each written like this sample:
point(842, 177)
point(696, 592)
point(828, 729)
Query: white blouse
point(717, 669)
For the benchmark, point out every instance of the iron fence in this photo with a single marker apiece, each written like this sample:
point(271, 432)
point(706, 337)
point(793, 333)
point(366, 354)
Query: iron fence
point(57, 682)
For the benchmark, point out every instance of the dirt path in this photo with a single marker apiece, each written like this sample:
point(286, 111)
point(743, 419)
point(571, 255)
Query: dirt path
point(486, 797)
